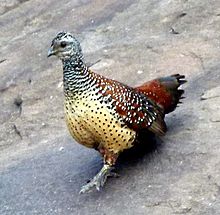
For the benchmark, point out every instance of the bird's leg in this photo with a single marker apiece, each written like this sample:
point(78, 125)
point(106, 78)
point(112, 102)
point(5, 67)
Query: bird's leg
point(99, 180)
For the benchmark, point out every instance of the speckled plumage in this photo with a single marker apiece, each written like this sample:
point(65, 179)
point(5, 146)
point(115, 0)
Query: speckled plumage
point(91, 116)
point(105, 114)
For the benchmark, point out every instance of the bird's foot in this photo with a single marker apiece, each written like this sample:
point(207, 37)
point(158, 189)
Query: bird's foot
point(99, 180)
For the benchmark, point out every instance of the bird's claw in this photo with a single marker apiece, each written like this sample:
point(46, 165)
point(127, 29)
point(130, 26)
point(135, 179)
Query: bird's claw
point(95, 182)
point(99, 180)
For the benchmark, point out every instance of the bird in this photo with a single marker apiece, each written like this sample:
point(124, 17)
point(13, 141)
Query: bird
point(105, 114)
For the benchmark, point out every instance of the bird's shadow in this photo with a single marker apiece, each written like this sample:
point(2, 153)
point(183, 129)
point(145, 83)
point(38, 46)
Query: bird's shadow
point(146, 143)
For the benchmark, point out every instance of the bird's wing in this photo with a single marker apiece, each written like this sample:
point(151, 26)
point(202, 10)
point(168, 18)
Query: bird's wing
point(134, 108)
point(140, 113)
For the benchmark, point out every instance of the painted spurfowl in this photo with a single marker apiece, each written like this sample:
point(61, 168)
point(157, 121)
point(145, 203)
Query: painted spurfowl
point(105, 114)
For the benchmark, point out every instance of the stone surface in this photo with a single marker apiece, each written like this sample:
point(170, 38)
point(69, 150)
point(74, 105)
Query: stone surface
point(42, 168)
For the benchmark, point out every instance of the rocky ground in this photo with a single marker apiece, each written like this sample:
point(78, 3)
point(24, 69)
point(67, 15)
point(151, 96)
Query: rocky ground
point(42, 168)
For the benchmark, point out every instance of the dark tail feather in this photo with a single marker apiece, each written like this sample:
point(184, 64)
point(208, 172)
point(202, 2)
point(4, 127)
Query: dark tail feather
point(172, 84)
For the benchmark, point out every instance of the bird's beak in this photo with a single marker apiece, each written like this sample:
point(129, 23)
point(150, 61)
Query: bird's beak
point(50, 52)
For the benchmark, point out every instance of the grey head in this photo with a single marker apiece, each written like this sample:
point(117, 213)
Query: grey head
point(65, 46)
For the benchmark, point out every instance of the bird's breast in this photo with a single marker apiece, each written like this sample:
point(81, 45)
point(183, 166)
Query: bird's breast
point(93, 124)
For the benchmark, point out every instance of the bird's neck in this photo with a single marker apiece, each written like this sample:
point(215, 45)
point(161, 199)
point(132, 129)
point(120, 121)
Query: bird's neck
point(76, 76)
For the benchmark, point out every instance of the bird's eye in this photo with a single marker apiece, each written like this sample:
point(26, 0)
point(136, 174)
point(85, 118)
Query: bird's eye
point(63, 44)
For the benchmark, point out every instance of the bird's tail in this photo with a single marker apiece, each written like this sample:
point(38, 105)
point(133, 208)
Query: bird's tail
point(164, 91)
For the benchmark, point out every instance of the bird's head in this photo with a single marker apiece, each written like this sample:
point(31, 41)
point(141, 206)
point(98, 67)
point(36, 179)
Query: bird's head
point(65, 46)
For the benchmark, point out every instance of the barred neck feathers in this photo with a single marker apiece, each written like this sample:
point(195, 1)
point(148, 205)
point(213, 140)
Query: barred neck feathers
point(76, 76)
